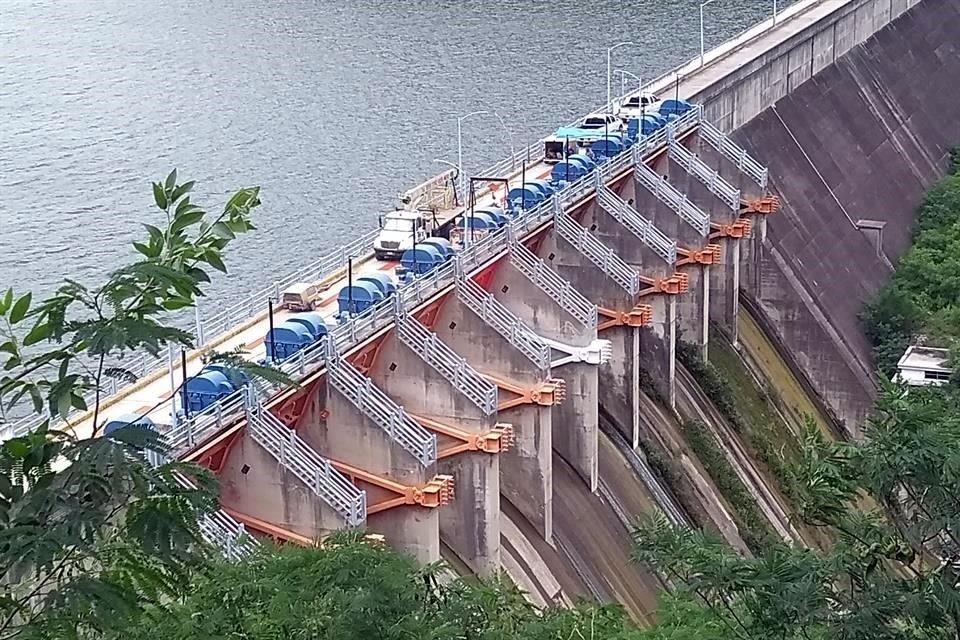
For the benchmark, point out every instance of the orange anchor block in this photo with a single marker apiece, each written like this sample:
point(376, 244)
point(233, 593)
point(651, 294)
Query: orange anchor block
point(435, 493)
point(710, 254)
point(640, 316)
point(766, 204)
point(741, 228)
point(673, 286)
point(546, 394)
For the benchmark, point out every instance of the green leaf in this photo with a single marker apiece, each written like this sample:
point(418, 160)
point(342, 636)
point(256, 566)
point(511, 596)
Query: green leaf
point(182, 221)
point(39, 332)
point(183, 189)
point(20, 308)
point(172, 304)
point(159, 197)
point(146, 250)
point(17, 448)
point(212, 257)
point(78, 402)
point(171, 182)
point(156, 236)
point(10, 347)
point(37, 398)
point(222, 231)
point(6, 302)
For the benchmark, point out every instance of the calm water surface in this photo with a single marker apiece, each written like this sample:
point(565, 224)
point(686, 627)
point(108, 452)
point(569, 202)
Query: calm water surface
point(332, 107)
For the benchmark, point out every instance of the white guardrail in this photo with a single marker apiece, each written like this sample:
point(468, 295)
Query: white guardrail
point(449, 364)
point(642, 228)
point(188, 433)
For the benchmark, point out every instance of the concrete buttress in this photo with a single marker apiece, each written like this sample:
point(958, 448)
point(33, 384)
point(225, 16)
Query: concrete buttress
point(567, 321)
point(440, 391)
point(476, 326)
point(715, 196)
point(355, 423)
point(652, 195)
point(577, 253)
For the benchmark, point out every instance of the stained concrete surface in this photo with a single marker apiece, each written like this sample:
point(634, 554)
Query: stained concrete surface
point(862, 139)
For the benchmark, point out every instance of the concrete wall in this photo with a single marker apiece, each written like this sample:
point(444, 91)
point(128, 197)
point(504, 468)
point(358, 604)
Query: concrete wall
point(861, 140)
point(732, 100)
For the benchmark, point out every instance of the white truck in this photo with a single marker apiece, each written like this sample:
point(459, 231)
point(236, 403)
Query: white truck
point(402, 228)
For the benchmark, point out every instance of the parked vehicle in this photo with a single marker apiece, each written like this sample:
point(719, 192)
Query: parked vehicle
point(302, 296)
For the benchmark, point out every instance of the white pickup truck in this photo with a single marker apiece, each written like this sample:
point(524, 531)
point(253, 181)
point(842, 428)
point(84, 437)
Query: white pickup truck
point(402, 228)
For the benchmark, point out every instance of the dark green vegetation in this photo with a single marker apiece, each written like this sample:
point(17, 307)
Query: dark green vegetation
point(352, 590)
point(923, 297)
point(90, 533)
point(891, 574)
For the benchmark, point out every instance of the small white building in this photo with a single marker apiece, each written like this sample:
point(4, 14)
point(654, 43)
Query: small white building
point(924, 366)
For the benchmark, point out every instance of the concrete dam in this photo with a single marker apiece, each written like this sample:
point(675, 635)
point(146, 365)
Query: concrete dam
point(518, 408)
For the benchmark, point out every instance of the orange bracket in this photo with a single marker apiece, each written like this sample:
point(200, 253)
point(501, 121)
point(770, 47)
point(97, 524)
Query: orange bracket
point(710, 254)
point(546, 394)
point(640, 316)
point(674, 285)
point(268, 528)
point(499, 438)
point(740, 228)
point(435, 493)
point(765, 204)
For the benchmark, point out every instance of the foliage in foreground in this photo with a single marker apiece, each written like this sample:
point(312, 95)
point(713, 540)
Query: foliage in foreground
point(355, 590)
point(90, 533)
point(923, 296)
point(893, 575)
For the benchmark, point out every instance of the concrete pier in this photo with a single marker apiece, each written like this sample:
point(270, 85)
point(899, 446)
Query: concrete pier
point(474, 324)
point(442, 393)
point(567, 322)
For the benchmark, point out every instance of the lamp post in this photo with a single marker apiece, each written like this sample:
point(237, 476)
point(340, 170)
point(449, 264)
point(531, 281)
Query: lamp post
point(623, 80)
point(774, 12)
point(463, 186)
point(456, 178)
point(702, 5)
point(609, 53)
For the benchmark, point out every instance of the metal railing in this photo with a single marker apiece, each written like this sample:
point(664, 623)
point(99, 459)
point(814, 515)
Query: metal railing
point(504, 322)
point(225, 533)
point(551, 283)
point(734, 153)
point(643, 229)
point(449, 364)
point(668, 195)
point(372, 402)
point(300, 459)
point(598, 253)
point(222, 531)
point(187, 433)
point(706, 174)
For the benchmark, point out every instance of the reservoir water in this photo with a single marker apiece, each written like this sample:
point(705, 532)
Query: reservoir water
point(332, 107)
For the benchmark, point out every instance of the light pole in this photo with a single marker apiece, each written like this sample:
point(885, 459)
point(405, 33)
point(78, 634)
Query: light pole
point(774, 12)
point(513, 153)
point(463, 186)
point(623, 80)
point(702, 5)
point(609, 53)
point(456, 177)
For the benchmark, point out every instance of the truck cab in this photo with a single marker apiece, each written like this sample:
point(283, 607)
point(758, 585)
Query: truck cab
point(641, 103)
point(602, 121)
point(399, 230)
